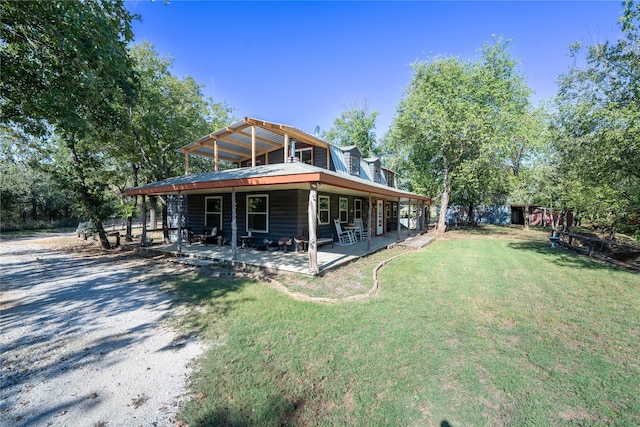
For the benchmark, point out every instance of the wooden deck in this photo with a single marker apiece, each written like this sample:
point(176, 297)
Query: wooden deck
point(280, 261)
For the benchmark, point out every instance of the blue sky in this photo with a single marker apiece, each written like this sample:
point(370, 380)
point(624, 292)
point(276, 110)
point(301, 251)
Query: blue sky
point(302, 63)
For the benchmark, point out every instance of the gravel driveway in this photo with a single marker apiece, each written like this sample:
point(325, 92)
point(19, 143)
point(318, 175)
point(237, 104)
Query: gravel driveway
point(84, 341)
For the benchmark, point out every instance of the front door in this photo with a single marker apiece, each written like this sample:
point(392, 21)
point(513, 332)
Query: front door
point(379, 217)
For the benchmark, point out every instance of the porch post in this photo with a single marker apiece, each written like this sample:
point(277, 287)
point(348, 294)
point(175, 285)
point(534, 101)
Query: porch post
point(253, 146)
point(179, 223)
point(286, 148)
point(215, 155)
point(410, 217)
point(143, 237)
point(398, 220)
point(370, 225)
point(234, 226)
point(313, 247)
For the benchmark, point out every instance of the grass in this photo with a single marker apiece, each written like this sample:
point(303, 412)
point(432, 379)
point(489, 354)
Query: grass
point(478, 329)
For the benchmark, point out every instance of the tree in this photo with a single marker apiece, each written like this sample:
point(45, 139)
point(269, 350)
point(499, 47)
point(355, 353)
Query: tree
point(454, 122)
point(355, 126)
point(597, 127)
point(65, 65)
point(169, 113)
point(29, 196)
point(529, 161)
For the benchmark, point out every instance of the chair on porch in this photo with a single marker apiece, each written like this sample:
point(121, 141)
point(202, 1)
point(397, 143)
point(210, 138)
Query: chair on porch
point(362, 232)
point(344, 237)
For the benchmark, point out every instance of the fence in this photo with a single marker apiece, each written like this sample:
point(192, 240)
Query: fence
point(608, 250)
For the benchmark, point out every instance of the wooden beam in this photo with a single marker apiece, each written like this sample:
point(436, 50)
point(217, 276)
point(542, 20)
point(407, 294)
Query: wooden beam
point(286, 148)
point(253, 146)
point(186, 163)
point(234, 226)
point(397, 219)
point(215, 155)
point(313, 240)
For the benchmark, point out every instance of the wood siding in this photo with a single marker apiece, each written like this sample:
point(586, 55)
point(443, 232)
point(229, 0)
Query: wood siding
point(287, 213)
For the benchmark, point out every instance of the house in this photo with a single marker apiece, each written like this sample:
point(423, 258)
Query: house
point(287, 183)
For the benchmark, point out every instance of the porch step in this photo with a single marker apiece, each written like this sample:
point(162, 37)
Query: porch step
point(417, 241)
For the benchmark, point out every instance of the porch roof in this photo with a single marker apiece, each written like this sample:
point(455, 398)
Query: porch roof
point(278, 176)
point(234, 143)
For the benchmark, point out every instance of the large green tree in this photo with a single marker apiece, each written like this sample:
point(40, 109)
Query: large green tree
point(456, 122)
point(65, 66)
point(169, 113)
point(355, 126)
point(597, 132)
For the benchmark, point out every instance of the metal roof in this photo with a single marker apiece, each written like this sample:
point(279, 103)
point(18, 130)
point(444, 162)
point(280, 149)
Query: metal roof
point(283, 174)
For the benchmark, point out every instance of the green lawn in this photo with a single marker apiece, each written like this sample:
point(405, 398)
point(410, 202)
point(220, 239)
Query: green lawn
point(480, 330)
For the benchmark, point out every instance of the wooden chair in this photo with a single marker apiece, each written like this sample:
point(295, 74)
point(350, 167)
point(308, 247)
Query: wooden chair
point(344, 237)
point(362, 232)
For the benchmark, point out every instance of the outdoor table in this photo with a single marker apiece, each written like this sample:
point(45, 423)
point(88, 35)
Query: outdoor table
point(246, 241)
point(351, 229)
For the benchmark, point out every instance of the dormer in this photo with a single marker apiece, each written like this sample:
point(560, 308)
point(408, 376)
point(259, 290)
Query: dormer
point(375, 169)
point(352, 156)
point(389, 176)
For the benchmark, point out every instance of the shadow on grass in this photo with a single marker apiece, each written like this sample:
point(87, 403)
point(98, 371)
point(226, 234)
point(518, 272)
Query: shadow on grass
point(208, 299)
point(277, 411)
point(560, 256)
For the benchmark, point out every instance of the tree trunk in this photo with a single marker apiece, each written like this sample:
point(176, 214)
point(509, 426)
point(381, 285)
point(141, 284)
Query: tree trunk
point(143, 237)
point(165, 219)
point(102, 234)
point(470, 215)
point(90, 202)
point(129, 232)
point(153, 211)
point(525, 213)
point(444, 202)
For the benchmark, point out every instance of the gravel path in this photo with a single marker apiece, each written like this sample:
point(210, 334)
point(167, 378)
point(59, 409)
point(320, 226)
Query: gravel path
point(84, 341)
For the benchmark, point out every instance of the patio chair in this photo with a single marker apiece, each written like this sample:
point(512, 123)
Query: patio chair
point(344, 237)
point(362, 232)
point(210, 237)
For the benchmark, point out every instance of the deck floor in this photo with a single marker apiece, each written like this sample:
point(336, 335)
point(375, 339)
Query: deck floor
point(280, 261)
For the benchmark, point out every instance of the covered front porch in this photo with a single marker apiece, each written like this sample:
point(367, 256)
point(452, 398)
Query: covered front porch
point(291, 260)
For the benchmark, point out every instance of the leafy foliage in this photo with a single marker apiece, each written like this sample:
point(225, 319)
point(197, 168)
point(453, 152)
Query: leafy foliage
point(355, 126)
point(457, 122)
point(597, 127)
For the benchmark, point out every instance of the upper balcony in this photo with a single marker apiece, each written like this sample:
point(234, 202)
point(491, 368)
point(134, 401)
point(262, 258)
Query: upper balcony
point(253, 142)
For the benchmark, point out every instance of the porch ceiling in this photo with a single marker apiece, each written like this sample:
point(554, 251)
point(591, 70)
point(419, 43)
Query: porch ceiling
point(234, 143)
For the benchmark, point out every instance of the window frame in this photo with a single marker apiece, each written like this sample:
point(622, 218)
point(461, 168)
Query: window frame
point(357, 210)
point(354, 168)
point(207, 212)
point(328, 210)
point(344, 211)
point(265, 213)
point(298, 154)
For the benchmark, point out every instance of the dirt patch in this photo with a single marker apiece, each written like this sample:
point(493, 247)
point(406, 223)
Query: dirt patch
point(86, 339)
point(353, 279)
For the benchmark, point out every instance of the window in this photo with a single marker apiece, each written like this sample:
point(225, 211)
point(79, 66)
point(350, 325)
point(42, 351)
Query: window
point(395, 210)
point(213, 212)
point(343, 207)
point(258, 213)
point(305, 155)
point(354, 165)
point(388, 209)
point(323, 209)
point(357, 209)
